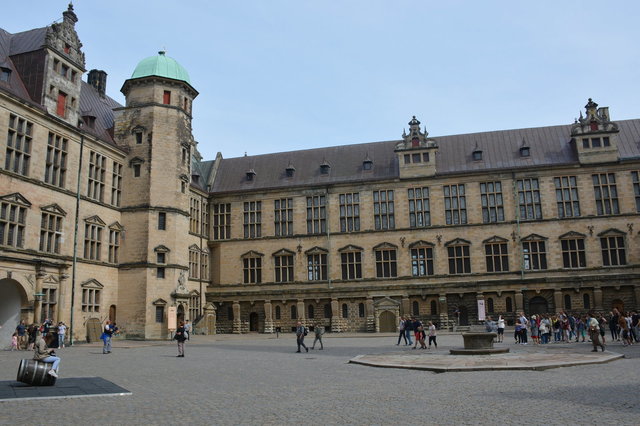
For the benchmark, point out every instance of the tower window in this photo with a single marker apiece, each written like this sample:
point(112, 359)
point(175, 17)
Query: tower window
point(166, 97)
point(477, 155)
point(5, 73)
point(136, 170)
point(62, 104)
point(139, 138)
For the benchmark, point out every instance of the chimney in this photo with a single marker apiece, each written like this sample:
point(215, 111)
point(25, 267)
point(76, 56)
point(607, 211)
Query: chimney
point(98, 79)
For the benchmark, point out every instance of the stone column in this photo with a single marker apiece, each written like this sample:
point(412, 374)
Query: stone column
point(301, 312)
point(268, 317)
point(406, 307)
point(597, 298)
point(519, 302)
point(62, 314)
point(209, 313)
point(557, 300)
point(480, 296)
point(37, 305)
point(443, 311)
point(370, 312)
point(636, 293)
point(336, 326)
point(237, 323)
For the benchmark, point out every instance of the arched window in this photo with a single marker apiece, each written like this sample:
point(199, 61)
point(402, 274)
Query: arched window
point(311, 312)
point(230, 313)
point(345, 311)
point(327, 310)
point(415, 308)
point(509, 304)
point(490, 305)
point(361, 310)
point(278, 313)
point(567, 301)
point(294, 312)
point(586, 301)
point(434, 307)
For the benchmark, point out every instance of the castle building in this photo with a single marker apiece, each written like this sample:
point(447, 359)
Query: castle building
point(109, 211)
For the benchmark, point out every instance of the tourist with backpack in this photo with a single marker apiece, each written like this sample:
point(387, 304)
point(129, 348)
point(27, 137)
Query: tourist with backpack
point(301, 331)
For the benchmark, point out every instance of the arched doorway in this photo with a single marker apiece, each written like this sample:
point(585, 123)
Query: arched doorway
point(387, 322)
point(617, 304)
point(464, 315)
point(253, 321)
point(12, 297)
point(112, 313)
point(538, 305)
point(180, 314)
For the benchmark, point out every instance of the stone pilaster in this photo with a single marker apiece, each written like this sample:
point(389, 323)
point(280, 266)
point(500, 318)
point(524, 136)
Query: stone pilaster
point(557, 300)
point(37, 305)
point(268, 317)
point(336, 322)
point(597, 298)
point(443, 311)
point(370, 312)
point(237, 322)
point(405, 307)
point(636, 293)
point(63, 311)
point(519, 301)
point(301, 312)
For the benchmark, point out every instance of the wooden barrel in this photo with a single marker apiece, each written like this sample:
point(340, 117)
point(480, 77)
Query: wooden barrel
point(36, 373)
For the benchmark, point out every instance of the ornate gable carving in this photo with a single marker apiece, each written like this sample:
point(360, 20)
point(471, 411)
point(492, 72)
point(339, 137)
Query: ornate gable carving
point(53, 209)
point(495, 239)
point(457, 242)
point(162, 249)
point(571, 234)
point(95, 220)
point(350, 247)
point(63, 37)
point(116, 226)
point(283, 252)
point(16, 198)
point(612, 232)
point(385, 245)
point(251, 253)
point(159, 302)
point(194, 247)
point(92, 283)
point(386, 302)
point(316, 250)
point(136, 160)
point(533, 237)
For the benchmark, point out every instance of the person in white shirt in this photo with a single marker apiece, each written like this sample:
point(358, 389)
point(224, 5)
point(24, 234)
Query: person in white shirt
point(62, 330)
point(432, 335)
point(500, 329)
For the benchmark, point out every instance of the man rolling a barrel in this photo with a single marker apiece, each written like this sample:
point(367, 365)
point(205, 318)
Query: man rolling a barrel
point(44, 354)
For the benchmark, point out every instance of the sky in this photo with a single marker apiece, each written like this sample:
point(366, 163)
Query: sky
point(282, 75)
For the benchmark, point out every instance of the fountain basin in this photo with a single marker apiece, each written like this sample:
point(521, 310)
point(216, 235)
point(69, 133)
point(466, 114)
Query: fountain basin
point(478, 344)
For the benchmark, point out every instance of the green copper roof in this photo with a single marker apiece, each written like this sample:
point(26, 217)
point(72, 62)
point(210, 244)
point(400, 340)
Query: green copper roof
point(161, 66)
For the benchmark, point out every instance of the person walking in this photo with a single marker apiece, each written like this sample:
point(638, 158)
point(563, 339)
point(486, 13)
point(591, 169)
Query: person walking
point(419, 334)
point(301, 331)
point(21, 330)
point(180, 337)
point(500, 329)
point(408, 328)
point(402, 334)
point(594, 333)
point(32, 331)
point(318, 331)
point(613, 325)
point(44, 354)
point(432, 335)
point(187, 330)
point(62, 330)
point(14, 341)
point(107, 334)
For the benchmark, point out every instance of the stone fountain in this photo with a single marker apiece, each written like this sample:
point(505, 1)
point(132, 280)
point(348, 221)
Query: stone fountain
point(478, 343)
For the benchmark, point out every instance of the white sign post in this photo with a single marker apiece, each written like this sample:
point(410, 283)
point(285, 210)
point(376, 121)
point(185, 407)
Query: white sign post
point(481, 312)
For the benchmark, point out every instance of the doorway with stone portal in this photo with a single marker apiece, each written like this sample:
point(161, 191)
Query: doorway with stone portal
point(387, 322)
point(253, 322)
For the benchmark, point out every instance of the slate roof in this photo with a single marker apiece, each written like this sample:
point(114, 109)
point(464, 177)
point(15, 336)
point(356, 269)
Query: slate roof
point(15, 85)
point(501, 150)
point(101, 107)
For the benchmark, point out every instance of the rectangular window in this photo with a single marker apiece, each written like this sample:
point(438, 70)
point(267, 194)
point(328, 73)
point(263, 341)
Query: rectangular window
point(136, 170)
point(194, 221)
point(421, 261)
point(567, 196)
point(205, 219)
point(55, 170)
point(204, 266)
point(50, 233)
point(383, 210)
point(455, 204)
point(491, 200)
point(349, 212)
point(49, 301)
point(90, 300)
point(162, 221)
point(316, 214)
point(606, 193)
point(283, 217)
point(317, 267)
point(573, 253)
point(160, 272)
point(419, 208)
point(252, 219)
point(535, 255)
point(283, 268)
point(161, 257)
point(18, 153)
point(497, 257)
point(386, 263)
point(116, 184)
point(159, 314)
point(221, 221)
point(351, 265)
point(459, 259)
point(138, 138)
point(193, 264)
point(61, 106)
point(114, 245)
point(92, 241)
point(613, 251)
point(635, 178)
point(166, 97)
point(97, 170)
point(529, 204)
point(12, 224)
point(252, 270)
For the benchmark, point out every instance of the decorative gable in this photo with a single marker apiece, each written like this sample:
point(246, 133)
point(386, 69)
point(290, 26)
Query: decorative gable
point(16, 198)
point(416, 152)
point(251, 253)
point(53, 209)
point(495, 239)
point(116, 226)
point(533, 237)
point(350, 247)
point(385, 246)
point(159, 302)
point(283, 252)
point(595, 135)
point(95, 220)
point(92, 283)
point(316, 250)
point(571, 234)
point(457, 242)
point(612, 232)
point(421, 243)
point(162, 249)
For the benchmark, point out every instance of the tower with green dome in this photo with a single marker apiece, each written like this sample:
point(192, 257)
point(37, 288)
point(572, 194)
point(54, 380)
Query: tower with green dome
point(155, 128)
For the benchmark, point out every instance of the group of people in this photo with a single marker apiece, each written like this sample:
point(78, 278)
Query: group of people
point(24, 336)
point(302, 331)
point(408, 325)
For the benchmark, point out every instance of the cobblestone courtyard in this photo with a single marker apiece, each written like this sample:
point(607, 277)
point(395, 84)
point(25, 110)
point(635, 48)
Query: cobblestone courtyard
point(261, 380)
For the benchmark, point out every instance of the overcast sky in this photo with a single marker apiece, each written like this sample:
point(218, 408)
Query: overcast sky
point(281, 75)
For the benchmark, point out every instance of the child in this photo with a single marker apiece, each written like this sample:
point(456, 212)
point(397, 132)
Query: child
point(14, 341)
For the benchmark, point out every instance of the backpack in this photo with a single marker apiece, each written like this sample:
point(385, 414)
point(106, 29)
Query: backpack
point(305, 331)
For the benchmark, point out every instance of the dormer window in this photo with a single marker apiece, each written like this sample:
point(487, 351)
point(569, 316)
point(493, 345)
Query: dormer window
point(89, 121)
point(324, 168)
point(250, 175)
point(525, 151)
point(289, 171)
point(477, 155)
point(5, 74)
point(367, 165)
